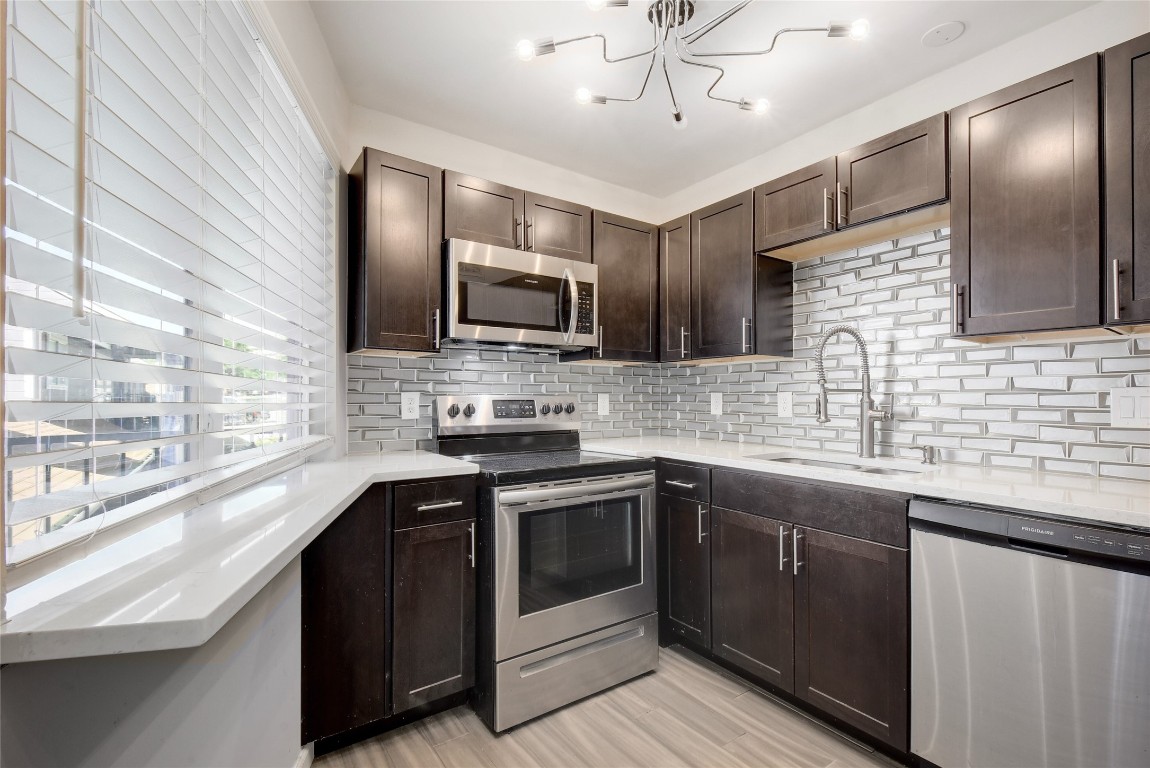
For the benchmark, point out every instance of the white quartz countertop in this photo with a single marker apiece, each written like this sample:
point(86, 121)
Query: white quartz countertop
point(174, 584)
point(1103, 500)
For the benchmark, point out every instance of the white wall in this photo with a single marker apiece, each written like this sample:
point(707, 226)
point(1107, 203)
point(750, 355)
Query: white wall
point(1088, 31)
point(232, 702)
point(389, 133)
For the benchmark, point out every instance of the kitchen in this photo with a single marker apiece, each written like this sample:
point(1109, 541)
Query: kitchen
point(815, 440)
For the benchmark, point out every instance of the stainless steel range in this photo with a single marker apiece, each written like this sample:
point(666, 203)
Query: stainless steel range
point(565, 548)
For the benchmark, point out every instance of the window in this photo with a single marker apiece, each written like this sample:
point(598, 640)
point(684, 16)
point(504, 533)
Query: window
point(200, 348)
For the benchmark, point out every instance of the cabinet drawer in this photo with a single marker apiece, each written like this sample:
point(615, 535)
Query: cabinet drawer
point(436, 501)
point(864, 514)
point(687, 481)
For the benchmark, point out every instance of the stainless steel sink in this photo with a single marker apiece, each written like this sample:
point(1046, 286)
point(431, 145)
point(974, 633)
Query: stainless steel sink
point(848, 466)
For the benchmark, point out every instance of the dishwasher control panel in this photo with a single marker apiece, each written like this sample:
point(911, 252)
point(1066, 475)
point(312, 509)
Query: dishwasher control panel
point(1113, 543)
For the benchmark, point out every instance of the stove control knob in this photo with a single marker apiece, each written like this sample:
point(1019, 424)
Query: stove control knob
point(545, 409)
point(558, 408)
point(453, 410)
point(469, 410)
point(570, 408)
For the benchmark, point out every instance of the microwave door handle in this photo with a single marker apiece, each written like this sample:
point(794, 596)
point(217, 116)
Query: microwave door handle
point(573, 288)
point(564, 286)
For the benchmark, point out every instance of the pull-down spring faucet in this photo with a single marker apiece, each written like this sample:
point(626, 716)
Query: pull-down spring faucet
point(870, 414)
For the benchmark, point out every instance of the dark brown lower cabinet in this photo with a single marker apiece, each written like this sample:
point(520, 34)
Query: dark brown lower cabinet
point(752, 621)
point(433, 651)
point(851, 632)
point(685, 568)
point(344, 621)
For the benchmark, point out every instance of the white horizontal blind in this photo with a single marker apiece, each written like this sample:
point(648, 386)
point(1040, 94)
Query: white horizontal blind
point(206, 345)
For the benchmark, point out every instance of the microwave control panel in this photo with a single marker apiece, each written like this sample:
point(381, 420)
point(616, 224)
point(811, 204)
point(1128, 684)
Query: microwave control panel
point(585, 323)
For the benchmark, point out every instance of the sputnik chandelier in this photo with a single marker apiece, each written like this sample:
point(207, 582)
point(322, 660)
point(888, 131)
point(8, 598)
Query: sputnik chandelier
point(670, 38)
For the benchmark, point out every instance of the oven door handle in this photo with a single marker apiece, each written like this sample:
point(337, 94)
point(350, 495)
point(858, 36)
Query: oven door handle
point(555, 493)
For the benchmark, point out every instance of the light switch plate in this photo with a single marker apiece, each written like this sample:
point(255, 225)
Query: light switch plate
point(786, 405)
point(409, 405)
point(604, 405)
point(716, 403)
point(1130, 407)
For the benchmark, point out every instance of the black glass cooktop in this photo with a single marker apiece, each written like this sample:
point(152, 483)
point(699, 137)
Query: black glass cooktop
point(542, 466)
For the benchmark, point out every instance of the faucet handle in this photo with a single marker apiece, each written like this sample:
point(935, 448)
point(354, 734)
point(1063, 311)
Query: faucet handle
point(929, 453)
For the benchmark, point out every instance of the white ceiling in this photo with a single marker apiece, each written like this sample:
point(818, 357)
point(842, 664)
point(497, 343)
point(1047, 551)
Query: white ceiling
point(451, 65)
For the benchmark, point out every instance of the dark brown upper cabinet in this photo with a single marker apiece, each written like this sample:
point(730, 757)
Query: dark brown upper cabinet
point(1025, 195)
point(627, 254)
point(395, 237)
point(486, 212)
point(557, 228)
point(752, 595)
point(1127, 119)
point(723, 278)
point(902, 170)
point(852, 632)
point(795, 207)
point(675, 290)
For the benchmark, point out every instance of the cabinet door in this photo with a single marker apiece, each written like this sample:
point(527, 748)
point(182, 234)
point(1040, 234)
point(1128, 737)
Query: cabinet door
point(685, 570)
point(723, 279)
point(894, 173)
point(433, 654)
point(851, 630)
point(343, 611)
point(795, 207)
point(395, 253)
point(675, 290)
point(482, 211)
point(1127, 120)
point(1025, 205)
point(557, 228)
point(627, 253)
point(752, 594)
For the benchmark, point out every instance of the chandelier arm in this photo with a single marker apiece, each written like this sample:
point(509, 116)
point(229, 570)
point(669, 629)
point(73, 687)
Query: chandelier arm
point(603, 39)
point(710, 25)
point(768, 49)
point(642, 90)
point(720, 70)
point(670, 90)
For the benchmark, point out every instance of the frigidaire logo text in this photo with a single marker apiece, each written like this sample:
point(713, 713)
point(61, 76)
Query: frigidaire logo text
point(1037, 530)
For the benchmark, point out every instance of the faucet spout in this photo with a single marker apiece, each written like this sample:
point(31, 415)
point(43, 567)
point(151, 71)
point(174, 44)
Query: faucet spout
point(870, 415)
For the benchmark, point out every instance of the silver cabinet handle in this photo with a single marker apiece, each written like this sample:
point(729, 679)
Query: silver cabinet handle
point(702, 510)
point(471, 557)
point(782, 546)
point(440, 505)
point(600, 342)
point(531, 234)
point(681, 484)
point(841, 194)
point(957, 322)
point(435, 324)
point(1116, 268)
point(795, 552)
point(518, 227)
point(683, 341)
point(746, 344)
point(827, 223)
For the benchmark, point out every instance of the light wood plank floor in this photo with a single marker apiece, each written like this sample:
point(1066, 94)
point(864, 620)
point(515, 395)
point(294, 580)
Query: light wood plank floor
point(688, 713)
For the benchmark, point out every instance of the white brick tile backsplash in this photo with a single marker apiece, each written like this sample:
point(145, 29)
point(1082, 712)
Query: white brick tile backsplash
point(1034, 405)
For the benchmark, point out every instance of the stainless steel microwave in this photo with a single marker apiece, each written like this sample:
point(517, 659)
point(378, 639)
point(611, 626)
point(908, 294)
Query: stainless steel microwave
point(504, 296)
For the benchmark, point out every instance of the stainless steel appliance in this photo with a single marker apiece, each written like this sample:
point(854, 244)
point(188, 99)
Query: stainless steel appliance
point(508, 297)
point(565, 548)
point(1030, 640)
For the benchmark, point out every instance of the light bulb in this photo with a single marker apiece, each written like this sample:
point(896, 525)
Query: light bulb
point(761, 106)
point(860, 29)
point(583, 96)
point(525, 49)
point(596, 5)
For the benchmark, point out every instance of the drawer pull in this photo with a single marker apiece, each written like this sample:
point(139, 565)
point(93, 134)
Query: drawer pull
point(440, 505)
point(681, 484)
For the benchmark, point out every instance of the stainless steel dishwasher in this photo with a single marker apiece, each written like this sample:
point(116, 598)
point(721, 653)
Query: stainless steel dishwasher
point(1030, 640)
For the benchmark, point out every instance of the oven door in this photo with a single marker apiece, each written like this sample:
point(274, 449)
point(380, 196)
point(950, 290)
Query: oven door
point(571, 558)
point(500, 295)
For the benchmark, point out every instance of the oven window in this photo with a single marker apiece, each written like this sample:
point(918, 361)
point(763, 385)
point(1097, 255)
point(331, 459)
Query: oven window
point(507, 298)
point(578, 551)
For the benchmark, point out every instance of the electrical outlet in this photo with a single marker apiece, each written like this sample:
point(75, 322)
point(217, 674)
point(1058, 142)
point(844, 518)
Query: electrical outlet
point(604, 405)
point(716, 403)
point(1130, 407)
point(786, 405)
point(409, 405)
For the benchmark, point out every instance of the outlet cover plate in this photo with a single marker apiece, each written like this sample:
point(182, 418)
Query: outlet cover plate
point(786, 405)
point(604, 405)
point(716, 403)
point(1130, 407)
point(409, 405)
